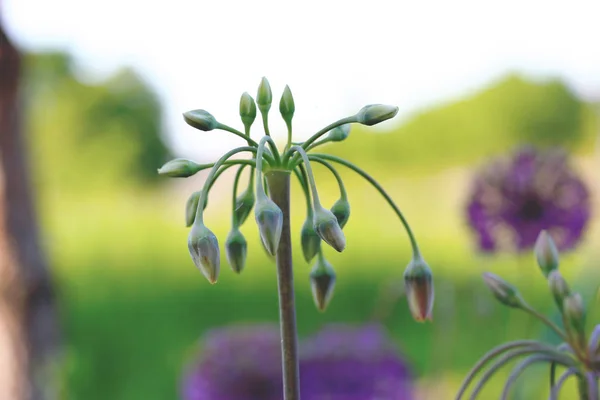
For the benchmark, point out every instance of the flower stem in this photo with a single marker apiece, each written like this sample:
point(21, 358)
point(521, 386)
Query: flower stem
point(279, 189)
point(588, 386)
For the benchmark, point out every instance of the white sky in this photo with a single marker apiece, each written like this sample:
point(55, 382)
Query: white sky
point(336, 56)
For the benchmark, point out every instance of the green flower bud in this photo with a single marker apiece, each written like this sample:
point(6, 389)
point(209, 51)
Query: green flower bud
point(270, 222)
point(506, 293)
point(191, 206)
point(339, 133)
point(558, 287)
point(341, 210)
point(376, 113)
point(574, 312)
point(264, 97)
point(204, 249)
point(418, 284)
point(247, 110)
point(322, 282)
point(179, 168)
point(546, 253)
point(243, 206)
point(236, 249)
point(311, 241)
point(287, 106)
point(200, 119)
point(327, 227)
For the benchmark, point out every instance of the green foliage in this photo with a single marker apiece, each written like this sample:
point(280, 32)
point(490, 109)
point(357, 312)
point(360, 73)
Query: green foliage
point(510, 112)
point(90, 136)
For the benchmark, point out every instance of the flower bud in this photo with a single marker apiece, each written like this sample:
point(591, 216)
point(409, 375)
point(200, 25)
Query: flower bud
point(574, 312)
point(200, 119)
point(179, 168)
point(376, 113)
point(243, 205)
point(418, 284)
point(327, 227)
point(287, 106)
point(247, 110)
point(339, 133)
point(546, 253)
point(558, 287)
point(236, 249)
point(204, 249)
point(264, 97)
point(341, 210)
point(270, 222)
point(322, 283)
point(506, 293)
point(191, 206)
point(311, 241)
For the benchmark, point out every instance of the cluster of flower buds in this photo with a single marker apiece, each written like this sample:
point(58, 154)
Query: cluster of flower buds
point(577, 356)
point(321, 224)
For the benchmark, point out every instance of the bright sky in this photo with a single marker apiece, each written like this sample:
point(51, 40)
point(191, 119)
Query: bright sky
point(335, 55)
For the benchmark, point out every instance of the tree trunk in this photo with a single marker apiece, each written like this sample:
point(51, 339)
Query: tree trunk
point(29, 334)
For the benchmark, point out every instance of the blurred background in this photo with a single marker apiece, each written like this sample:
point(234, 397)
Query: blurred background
point(96, 276)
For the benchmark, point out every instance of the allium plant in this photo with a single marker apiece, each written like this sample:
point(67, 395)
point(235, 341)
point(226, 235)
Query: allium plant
point(578, 356)
point(530, 191)
point(340, 362)
point(268, 193)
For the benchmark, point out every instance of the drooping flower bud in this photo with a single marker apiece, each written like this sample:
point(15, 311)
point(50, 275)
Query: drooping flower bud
point(287, 106)
point(574, 312)
point(418, 284)
point(200, 119)
point(191, 206)
point(322, 282)
point(546, 253)
point(558, 287)
point(376, 113)
point(506, 293)
point(264, 97)
point(179, 168)
point(270, 222)
point(243, 206)
point(341, 210)
point(204, 249)
point(311, 241)
point(327, 227)
point(339, 133)
point(247, 110)
point(236, 249)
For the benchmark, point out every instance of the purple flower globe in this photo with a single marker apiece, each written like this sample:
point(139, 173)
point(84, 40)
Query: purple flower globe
point(513, 199)
point(340, 362)
point(343, 362)
point(241, 362)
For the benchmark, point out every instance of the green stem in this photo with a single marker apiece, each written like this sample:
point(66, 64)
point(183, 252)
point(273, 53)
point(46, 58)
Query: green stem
point(588, 386)
point(311, 177)
point(289, 136)
point(279, 188)
point(528, 309)
point(303, 182)
point(338, 178)
point(369, 178)
point(555, 389)
point(236, 181)
point(211, 176)
point(227, 128)
point(522, 366)
point(306, 144)
point(259, 165)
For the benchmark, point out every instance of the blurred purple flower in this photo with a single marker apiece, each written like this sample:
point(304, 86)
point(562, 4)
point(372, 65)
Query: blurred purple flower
point(241, 362)
point(530, 191)
point(338, 363)
point(342, 362)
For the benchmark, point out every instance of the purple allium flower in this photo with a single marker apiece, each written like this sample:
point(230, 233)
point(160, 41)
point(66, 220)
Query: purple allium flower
point(531, 191)
point(342, 362)
point(241, 362)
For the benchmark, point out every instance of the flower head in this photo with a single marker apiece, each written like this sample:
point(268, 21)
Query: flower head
point(532, 191)
point(237, 363)
point(343, 362)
